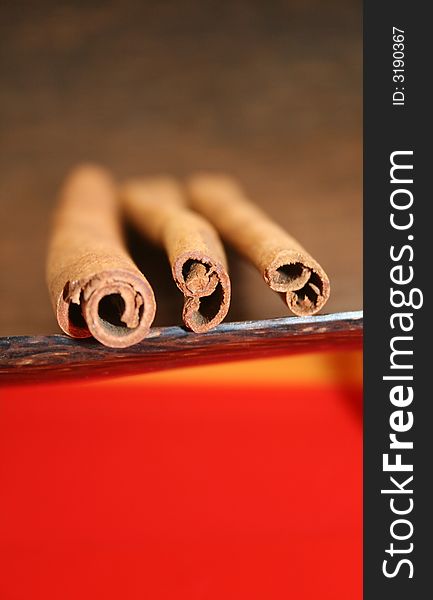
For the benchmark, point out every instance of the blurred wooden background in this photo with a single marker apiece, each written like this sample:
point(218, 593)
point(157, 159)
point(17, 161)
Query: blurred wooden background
point(268, 91)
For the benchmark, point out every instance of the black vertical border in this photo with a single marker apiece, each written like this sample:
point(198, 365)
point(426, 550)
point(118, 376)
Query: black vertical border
point(388, 128)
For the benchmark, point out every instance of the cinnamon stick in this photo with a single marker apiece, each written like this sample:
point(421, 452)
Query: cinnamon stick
point(284, 264)
point(196, 255)
point(95, 287)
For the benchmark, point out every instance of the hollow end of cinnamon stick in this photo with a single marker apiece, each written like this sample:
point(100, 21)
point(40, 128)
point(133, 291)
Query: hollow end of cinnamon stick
point(206, 288)
point(114, 307)
point(303, 283)
point(95, 287)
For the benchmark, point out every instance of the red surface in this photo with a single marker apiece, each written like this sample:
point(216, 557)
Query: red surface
point(147, 492)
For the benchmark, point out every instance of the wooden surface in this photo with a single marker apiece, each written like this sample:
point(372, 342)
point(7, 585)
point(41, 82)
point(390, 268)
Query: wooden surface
point(267, 91)
point(43, 358)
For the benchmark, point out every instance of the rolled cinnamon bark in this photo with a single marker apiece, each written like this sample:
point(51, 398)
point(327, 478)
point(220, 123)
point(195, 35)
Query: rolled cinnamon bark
point(198, 263)
point(95, 287)
point(284, 264)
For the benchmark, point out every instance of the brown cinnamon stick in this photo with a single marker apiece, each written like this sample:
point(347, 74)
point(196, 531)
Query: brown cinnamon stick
point(95, 287)
point(197, 258)
point(284, 264)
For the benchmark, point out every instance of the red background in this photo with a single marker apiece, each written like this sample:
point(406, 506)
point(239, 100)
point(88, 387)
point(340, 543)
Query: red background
point(181, 488)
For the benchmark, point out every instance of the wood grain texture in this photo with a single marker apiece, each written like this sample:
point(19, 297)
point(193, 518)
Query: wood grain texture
point(44, 358)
